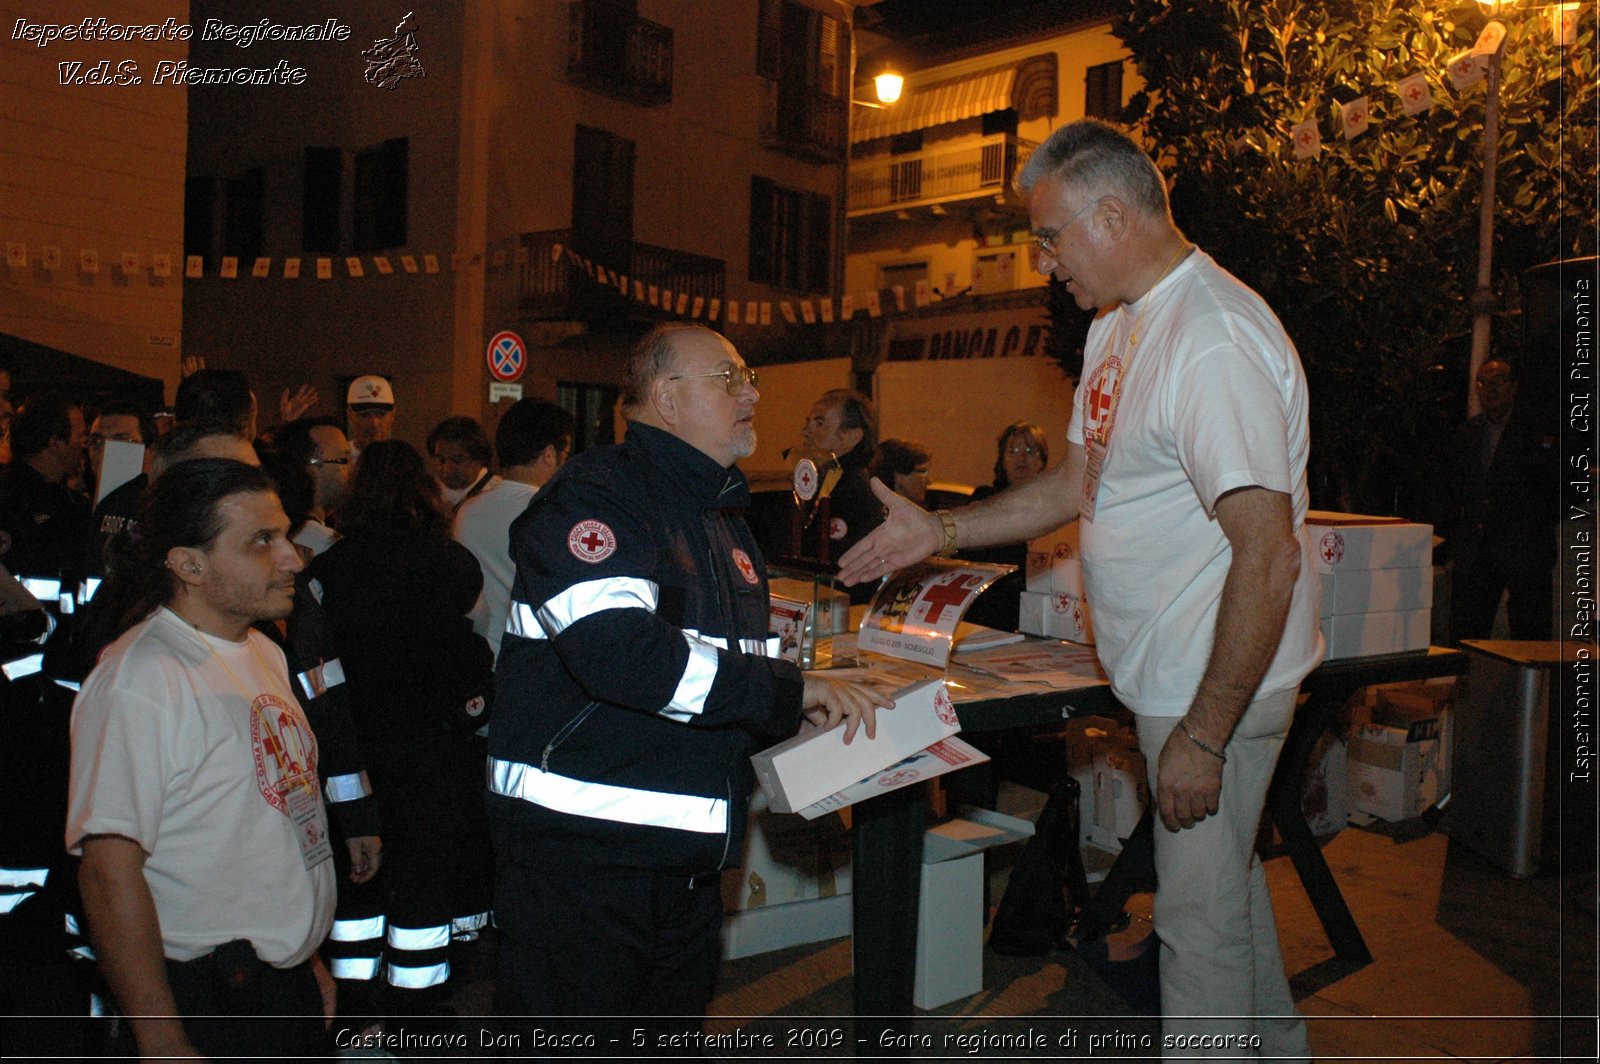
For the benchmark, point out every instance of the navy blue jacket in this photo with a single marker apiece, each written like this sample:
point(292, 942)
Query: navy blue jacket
point(633, 682)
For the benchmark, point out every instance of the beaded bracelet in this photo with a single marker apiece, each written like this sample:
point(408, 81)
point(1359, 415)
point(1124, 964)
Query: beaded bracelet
point(1218, 754)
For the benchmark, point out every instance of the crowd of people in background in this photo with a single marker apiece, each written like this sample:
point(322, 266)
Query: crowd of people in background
point(353, 593)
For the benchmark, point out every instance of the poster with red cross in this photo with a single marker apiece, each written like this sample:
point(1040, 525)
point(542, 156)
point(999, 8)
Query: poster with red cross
point(915, 611)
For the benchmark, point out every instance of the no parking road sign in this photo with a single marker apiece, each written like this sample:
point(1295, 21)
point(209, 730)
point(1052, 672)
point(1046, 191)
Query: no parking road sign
point(508, 356)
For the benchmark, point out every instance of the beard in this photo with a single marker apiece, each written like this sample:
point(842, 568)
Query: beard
point(744, 442)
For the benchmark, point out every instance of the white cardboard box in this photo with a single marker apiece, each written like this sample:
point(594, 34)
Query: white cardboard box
point(1359, 635)
point(1056, 616)
point(771, 927)
point(1376, 590)
point(816, 763)
point(1087, 736)
point(1121, 792)
point(1054, 562)
point(1394, 771)
point(950, 911)
point(1325, 800)
point(787, 859)
point(1356, 541)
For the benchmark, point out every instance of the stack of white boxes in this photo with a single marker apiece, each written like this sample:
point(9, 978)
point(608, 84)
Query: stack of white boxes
point(1377, 583)
point(1053, 604)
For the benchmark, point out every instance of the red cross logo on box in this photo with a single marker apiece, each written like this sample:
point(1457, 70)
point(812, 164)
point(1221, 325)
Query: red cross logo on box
point(591, 541)
point(1331, 548)
point(898, 779)
point(943, 707)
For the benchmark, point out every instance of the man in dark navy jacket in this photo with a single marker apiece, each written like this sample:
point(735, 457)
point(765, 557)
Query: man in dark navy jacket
point(635, 680)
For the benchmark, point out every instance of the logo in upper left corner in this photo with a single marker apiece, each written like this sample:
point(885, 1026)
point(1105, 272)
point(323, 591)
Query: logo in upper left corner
point(391, 60)
point(591, 541)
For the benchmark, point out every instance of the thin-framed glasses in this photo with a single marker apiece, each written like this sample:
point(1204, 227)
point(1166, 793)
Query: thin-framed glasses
point(314, 461)
point(733, 378)
point(97, 441)
point(1046, 241)
point(1022, 448)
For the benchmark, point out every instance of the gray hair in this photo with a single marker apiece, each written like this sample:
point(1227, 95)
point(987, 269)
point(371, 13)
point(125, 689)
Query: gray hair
point(1099, 158)
point(653, 356)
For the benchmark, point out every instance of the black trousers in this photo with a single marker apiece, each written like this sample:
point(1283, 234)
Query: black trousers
point(233, 1004)
point(626, 949)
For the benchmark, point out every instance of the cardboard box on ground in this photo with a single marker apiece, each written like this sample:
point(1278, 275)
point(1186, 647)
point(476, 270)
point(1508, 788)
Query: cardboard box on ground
point(1113, 787)
point(780, 898)
point(1399, 749)
point(950, 909)
point(792, 886)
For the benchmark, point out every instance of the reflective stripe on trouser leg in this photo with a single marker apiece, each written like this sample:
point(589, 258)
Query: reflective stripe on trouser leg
point(417, 957)
point(355, 947)
point(466, 928)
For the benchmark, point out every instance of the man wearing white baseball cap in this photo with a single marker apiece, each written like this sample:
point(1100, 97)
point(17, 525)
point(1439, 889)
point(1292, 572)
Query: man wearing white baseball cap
point(369, 407)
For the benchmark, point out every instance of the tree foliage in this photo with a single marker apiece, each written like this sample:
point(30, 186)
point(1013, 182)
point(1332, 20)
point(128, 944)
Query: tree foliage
point(1368, 251)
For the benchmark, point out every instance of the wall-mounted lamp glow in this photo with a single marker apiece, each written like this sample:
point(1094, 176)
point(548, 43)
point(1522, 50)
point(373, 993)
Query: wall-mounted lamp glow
point(887, 86)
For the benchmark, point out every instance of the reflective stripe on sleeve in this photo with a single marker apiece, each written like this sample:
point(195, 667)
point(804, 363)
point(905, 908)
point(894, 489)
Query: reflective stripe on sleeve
point(317, 680)
point(699, 673)
point(347, 788)
point(523, 622)
point(560, 612)
point(604, 801)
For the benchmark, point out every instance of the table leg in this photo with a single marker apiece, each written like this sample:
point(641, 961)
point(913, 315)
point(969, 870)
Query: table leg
point(1284, 801)
point(885, 882)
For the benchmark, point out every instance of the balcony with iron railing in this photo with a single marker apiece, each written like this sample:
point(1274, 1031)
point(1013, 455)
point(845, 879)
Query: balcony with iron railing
point(800, 121)
point(552, 288)
point(613, 51)
point(982, 168)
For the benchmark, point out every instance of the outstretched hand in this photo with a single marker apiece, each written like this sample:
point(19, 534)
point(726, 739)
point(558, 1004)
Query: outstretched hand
point(908, 534)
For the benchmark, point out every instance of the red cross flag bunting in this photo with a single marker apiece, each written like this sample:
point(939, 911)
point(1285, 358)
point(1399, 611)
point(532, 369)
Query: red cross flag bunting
point(508, 356)
point(591, 541)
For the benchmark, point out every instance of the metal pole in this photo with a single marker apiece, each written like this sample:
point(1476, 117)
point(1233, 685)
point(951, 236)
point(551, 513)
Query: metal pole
point(1483, 300)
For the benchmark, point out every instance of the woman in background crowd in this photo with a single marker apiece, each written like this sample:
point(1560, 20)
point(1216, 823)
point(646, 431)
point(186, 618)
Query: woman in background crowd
point(903, 466)
point(397, 591)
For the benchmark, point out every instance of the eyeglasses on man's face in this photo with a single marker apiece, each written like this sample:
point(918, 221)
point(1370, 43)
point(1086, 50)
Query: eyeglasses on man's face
point(1046, 241)
point(1022, 448)
point(97, 441)
point(314, 462)
point(733, 378)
